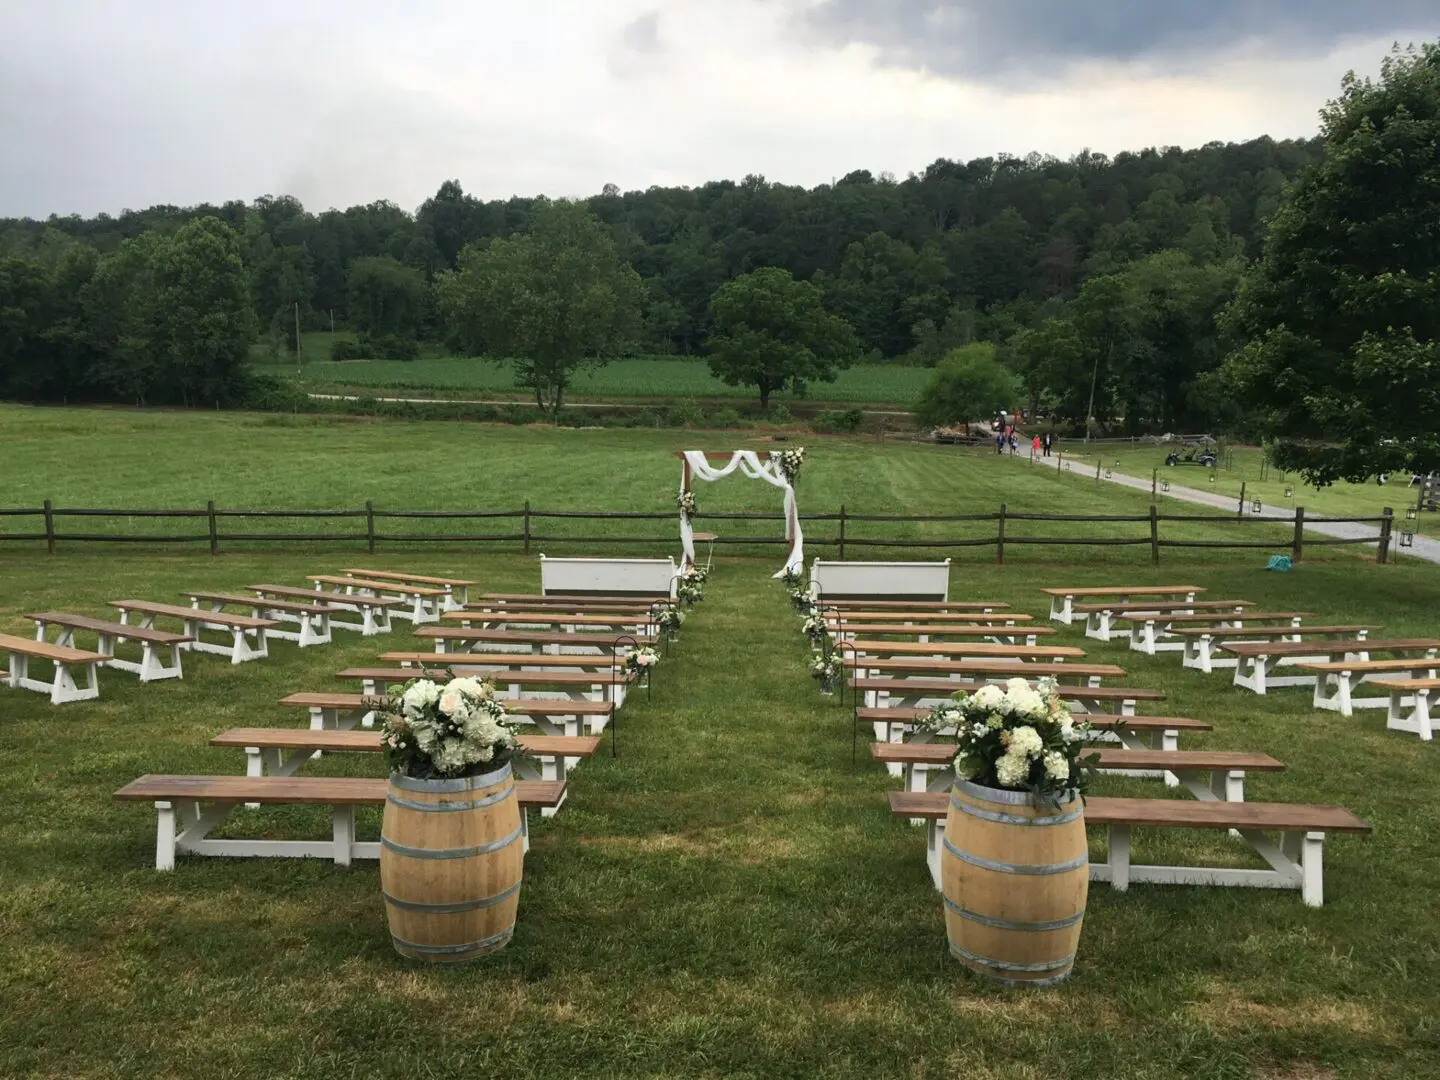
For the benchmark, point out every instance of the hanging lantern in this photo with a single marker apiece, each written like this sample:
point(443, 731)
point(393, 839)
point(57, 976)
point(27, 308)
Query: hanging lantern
point(1164, 485)
point(1289, 492)
point(1407, 538)
point(1256, 507)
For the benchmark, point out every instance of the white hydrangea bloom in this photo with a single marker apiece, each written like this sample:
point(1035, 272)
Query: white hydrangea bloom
point(1025, 742)
point(416, 699)
point(1012, 769)
point(1056, 766)
point(989, 697)
point(966, 767)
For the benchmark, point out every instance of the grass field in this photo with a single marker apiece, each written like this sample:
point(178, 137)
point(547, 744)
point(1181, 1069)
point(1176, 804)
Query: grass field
point(727, 898)
point(673, 379)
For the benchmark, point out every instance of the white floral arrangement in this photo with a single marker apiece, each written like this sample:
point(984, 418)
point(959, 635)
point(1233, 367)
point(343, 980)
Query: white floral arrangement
point(670, 620)
point(826, 667)
point(789, 462)
point(696, 574)
point(432, 730)
point(800, 600)
point(691, 586)
point(792, 578)
point(641, 661)
point(1017, 737)
point(685, 502)
point(814, 627)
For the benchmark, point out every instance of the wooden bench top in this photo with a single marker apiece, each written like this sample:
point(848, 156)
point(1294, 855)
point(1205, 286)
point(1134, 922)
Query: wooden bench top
point(319, 790)
point(461, 661)
point(1271, 631)
point(1328, 648)
point(1025, 669)
point(943, 754)
point(577, 598)
point(395, 575)
point(961, 648)
point(550, 618)
point(508, 677)
point(257, 601)
point(619, 607)
point(592, 638)
point(366, 583)
point(915, 605)
point(1408, 685)
point(1102, 721)
point(949, 686)
point(369, 741)
point(1214, 617)
point(1126, 590)
point(100, 626)
point(518, 706)
point(1170, 813)
point(1163, 606)
point(219, 618)
point(325, 598)
point(954, 630)
point(1336, 666)
point(932, 618)
point(43, 650)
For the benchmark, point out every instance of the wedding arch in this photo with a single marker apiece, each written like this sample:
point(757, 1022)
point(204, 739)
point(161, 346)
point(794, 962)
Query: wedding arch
point(701, 465)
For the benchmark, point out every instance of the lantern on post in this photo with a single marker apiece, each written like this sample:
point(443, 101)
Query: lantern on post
point(1164, 485)
point(1256, 507)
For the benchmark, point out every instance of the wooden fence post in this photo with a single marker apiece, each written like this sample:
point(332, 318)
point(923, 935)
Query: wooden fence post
point(527, 527)
point(49, 527)
point(1097, 472)
point(1297, 546)
point(842, 532)
point(1154, 482)
point(370, 526)
point(1387, 524)
point(1000, 538)
point(1240, 511)
point(1154, 536)
point(214, 528)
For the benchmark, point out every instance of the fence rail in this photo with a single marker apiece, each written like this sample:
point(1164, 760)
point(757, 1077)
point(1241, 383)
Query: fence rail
point(526, 536)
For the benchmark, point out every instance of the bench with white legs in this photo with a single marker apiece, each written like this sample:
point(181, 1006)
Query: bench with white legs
point(64, 661)
point(1410, 705)
point(314, 619)
point(608, 685)
point(970, 650)
point(1337, 683)
point(1295, 862)
point(467, 662)
point(1198, 643)
point(1258, 660)
point(240, 628)
point(924, 608)
point(1154, 634)
point(374, 611)
point(999, 634)
point(1100, 618)
point(189, 808)
point(556, 621)
point(456, 590)
point(563, 602)
point(282, 751)
point(151, 666)
point(1062, 601)
point(996, 669)
point(459, 639)
point(420, 604)
point(893, 693)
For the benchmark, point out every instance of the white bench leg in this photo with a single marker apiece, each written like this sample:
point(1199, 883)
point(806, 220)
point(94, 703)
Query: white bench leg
point(1118, 857)
point(164, 836)
point(1307, 852)
point(343, 832)
point(934, 838)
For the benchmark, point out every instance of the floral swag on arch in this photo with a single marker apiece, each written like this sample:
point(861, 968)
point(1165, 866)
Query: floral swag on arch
point(779, 469)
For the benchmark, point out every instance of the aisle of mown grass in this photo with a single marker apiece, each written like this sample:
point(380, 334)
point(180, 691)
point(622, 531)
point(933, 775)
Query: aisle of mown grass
point(728, 897)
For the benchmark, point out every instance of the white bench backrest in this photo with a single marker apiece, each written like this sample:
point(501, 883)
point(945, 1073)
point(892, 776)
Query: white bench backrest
point(881, 580)
point(649, 577)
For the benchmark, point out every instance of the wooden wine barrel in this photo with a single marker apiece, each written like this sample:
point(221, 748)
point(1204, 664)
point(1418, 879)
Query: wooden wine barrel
point(451, 854)
point(1015, 875)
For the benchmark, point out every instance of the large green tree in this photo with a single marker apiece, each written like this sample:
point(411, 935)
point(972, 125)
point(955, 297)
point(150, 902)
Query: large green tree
point(1341, 317)
point(552, 300)
point(770, 331)
point(387, 298)
point(969, 383)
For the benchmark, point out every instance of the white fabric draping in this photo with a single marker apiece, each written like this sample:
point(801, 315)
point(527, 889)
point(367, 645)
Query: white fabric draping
point(749, 463)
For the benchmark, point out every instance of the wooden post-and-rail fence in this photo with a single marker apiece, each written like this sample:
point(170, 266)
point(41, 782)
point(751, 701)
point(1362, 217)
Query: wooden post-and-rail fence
point(999, 529)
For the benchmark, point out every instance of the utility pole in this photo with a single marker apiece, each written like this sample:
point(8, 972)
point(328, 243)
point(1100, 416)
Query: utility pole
point(332, 322)
point(297, 335)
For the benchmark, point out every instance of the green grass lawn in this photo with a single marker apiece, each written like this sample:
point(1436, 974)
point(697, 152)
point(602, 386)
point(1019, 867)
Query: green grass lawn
point(671, 379)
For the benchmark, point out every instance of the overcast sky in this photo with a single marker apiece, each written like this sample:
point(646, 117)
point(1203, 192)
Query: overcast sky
point(107, 104)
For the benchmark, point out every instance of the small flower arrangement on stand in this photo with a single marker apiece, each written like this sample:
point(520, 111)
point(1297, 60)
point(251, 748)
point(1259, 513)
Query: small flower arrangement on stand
point(640, 662)
point(814, 628)
point(789, 462)
point(435, 731)
point(691, 586)
point(826, 668)
point(670, 620)
point(685, 503)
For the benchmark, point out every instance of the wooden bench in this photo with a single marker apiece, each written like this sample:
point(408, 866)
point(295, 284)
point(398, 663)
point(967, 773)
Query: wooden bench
point(1253, 670)
point(1198, 643)
point(1154, 634)
point(456, 590)
point(915, 607)
point(906, 618)
point(1000, 635)
point(282, 751)
point(559, 621)
point(1051, 653)
point(1415, 693)
point(143, 613)
point(994, 670)
point(1206, 774)
point(1062, 601)
point(189, 808)
point(61, 685)
point(1100, 618)
point(889, 693)
point(1337, 682)
point(608, 577)
point(151, 667)
point(892, 580)
point(1294, 863)
point(447, 638)
point(493, 601)
point(420, 604)
point(374, 611)
point(314, 619)
point(473, 661)
point(609, 685)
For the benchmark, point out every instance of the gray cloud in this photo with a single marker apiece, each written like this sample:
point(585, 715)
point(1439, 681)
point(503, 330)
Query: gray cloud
point(988, 38)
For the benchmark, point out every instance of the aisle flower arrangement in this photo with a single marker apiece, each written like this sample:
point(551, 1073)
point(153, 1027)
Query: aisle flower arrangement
point(691, 586)
point(789, 462)
point(1016, 737)
point(814, 628)
point(641, 661)
point(826, 669)
point(441, 730)
point(685, 502)
point(670, 620)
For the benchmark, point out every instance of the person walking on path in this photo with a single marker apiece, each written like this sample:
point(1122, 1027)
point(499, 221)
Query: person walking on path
point(1049, 442)
point(999, 440)
point(1035, 448)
